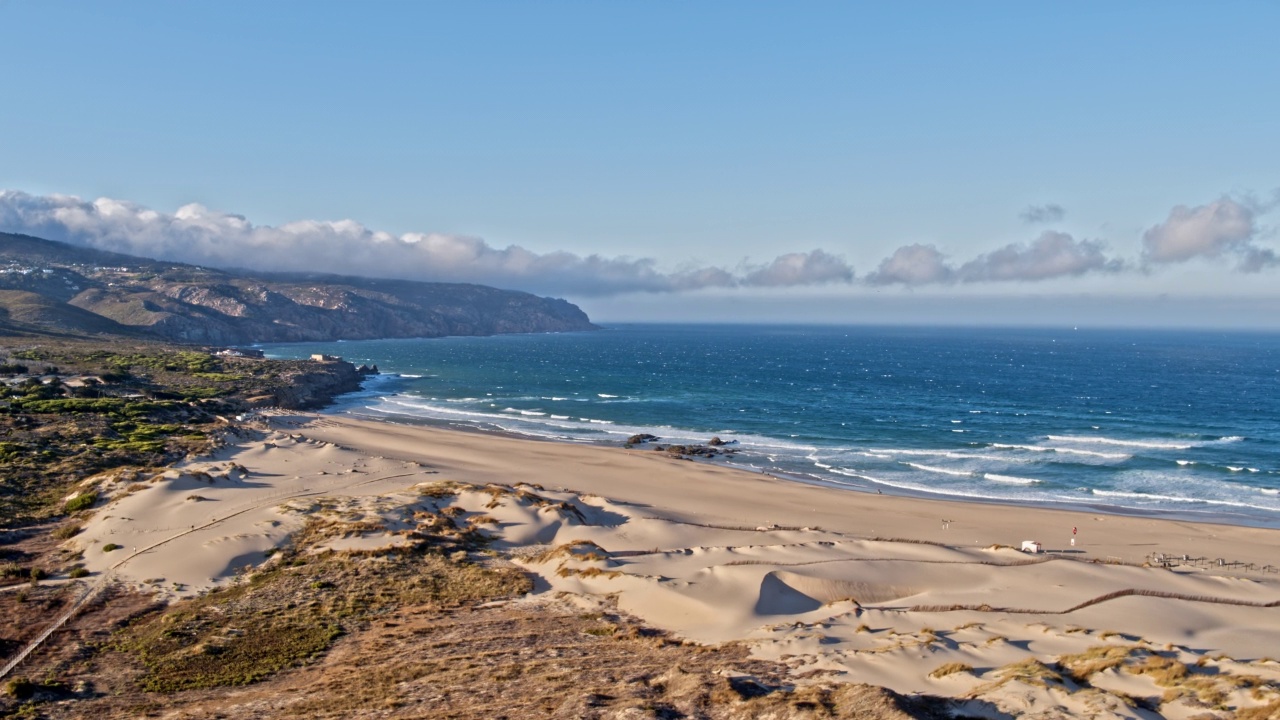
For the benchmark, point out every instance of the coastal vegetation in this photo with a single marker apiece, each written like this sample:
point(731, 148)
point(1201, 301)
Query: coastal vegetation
point(290, 612)
point(72, 409)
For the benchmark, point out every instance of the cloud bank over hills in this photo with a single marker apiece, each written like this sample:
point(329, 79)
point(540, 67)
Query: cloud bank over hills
point(1226, 228)
point(195, 234)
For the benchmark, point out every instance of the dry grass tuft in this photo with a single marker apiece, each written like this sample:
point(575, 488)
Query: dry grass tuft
point(1031, 672)
point(951, 668)
point(576, 550)
point(1212, 690)
point(1166, 672)
point(1270, 711)
point(587, 572)
point(441, 490)
point(1095, 660)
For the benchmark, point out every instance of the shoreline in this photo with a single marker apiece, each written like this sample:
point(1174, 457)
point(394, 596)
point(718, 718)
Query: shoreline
point(1200, 534)
point(337, 409)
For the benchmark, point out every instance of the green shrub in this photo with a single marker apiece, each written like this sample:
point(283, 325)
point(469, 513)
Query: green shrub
point(179, 659)
point(78, 572)
point(9, 451)
point(20, 688)
point(66, 532)
point(218, 376)
point(74, 405)
point(80, 502)
point(111, 546)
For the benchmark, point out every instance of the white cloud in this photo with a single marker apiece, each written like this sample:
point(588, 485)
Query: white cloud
point(196, 234)
point(913, 265)
point(1037, 214)
point(1052, 255)
point(1223, 227)
point(811, 268)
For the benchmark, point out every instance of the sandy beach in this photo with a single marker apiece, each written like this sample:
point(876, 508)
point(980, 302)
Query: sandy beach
point(920, 596)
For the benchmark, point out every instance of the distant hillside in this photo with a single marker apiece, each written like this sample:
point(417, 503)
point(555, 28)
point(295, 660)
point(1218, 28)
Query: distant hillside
point(49, 287)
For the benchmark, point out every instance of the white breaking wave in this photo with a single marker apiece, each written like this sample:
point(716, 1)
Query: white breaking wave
point(885, 454)
point(954, 492)
point(1069, 451)
point(528, 413)
point(1010, 479)
point(853, 473)
point(944, 471)
point(1173, 498)
point(1152, 444)
point(412, 406)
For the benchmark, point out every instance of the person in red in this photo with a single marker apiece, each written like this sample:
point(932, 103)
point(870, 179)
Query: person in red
point(1073, 536)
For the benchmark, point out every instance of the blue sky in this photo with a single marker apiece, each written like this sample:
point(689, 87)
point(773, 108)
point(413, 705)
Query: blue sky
point(1099, 162)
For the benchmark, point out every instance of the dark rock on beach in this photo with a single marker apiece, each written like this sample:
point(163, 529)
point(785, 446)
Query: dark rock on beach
point(690, 451)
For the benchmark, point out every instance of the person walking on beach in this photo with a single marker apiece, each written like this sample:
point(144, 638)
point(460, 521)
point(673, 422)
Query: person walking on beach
point(1073, 536)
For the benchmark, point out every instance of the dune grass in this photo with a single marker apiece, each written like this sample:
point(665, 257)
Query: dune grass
point(1031, 672)
point(1095, 660)
point(951, 668)
point(285, 616)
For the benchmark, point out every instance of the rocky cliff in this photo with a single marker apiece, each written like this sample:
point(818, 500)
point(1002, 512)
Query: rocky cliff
point(307, 385)
point(90, 291)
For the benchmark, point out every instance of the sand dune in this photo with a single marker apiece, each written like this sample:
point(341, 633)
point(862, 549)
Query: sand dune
point(800, 573)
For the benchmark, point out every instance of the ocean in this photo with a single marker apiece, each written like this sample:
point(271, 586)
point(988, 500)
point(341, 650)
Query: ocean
point(1173, 424)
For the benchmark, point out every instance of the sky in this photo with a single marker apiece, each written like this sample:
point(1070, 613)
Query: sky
point(993, 163)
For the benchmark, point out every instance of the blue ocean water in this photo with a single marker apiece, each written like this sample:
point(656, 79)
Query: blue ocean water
point(1171, 423)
